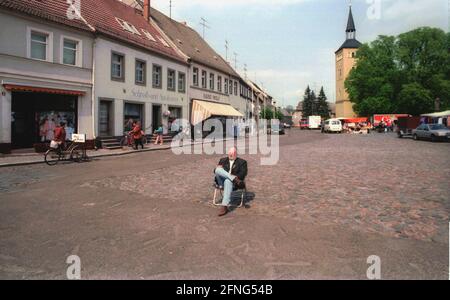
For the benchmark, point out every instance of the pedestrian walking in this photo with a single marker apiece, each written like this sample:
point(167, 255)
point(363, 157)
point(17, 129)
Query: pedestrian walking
point(159, 135)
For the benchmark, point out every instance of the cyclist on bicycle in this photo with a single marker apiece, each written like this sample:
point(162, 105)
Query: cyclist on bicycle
point(59, 137)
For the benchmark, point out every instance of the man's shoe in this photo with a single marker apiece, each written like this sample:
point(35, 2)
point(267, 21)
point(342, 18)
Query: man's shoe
point(223, 211)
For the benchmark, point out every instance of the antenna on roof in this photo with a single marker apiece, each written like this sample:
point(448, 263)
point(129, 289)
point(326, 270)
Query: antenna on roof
point(170, 9)
point(235, 60)
point(203, 23)
point(226, 50)
point(245, 71)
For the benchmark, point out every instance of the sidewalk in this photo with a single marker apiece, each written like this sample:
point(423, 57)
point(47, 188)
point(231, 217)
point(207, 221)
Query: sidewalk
point(9, 160)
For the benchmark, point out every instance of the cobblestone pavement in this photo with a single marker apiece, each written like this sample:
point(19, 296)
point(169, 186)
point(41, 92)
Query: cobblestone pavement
point(330, 202)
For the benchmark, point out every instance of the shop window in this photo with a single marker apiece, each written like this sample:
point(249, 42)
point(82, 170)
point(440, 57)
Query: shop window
point(117, 66)
point(171, 80)
point(195, 77)
point(132, 113)
point(141, 71)
point(157, 75)
point(181, 82)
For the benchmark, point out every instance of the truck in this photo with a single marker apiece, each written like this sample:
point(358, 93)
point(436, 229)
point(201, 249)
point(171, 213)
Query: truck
point(314, 122)
point(405, 126)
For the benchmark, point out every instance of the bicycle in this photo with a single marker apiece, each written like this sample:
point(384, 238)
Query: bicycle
point(127, 139)
point(54, 155)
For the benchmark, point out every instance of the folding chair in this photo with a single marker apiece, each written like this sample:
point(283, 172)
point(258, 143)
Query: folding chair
point(218, 190)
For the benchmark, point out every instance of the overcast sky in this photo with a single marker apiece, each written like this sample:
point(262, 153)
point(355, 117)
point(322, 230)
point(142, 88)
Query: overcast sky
point(288, 44)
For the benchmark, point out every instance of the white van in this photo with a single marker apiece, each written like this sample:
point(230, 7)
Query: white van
point(332, 125)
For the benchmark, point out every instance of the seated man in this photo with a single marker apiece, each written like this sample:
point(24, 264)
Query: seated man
point(230, 174)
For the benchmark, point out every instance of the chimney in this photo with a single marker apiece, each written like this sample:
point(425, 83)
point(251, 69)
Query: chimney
point(147, 10)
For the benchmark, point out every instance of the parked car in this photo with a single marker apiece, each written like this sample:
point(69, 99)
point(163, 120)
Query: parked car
point(286, 125)
point(434, 132)
point(277, 129)
point(332, 125)
point(304, 124)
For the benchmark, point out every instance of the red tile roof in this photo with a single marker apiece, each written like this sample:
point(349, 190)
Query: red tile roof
point(101, 14)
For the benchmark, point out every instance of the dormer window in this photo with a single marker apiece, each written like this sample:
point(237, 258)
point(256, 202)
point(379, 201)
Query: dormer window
point(148, 35)
point(128, 27)
point(163, 42)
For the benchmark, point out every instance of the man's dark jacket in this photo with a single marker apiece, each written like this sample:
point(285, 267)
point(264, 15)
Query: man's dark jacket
point(239, 169)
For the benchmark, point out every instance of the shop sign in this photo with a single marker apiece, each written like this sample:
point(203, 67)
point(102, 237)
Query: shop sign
point(78, 138)
point(154, 97)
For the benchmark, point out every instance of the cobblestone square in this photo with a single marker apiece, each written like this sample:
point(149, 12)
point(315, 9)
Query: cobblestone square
point(330, 202)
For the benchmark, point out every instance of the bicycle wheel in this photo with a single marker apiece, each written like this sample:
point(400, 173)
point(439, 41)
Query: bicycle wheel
point(52, 157)
point(123, 142)
point(75, 154)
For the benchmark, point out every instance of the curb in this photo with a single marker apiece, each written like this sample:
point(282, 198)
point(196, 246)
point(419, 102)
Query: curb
point(27, 163)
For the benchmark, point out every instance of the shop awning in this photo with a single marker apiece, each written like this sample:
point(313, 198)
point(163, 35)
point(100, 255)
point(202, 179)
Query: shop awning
point(438, 114)
point(202, 110)
point(355, 120)
point(23, 88)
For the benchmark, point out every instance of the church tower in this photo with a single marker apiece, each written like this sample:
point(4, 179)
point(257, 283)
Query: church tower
point(345, 61)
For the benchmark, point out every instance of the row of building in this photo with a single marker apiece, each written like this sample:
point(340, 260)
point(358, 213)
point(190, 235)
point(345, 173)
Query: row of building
point(98, 65)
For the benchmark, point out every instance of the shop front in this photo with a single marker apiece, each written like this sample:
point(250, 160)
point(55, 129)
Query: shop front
point(202, 111)
point(35, 113)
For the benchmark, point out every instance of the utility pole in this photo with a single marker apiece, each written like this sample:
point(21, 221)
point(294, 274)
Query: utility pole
point(204, 24)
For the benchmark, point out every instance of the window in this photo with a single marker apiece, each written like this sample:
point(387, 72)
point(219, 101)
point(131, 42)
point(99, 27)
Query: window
point(181, 82)
point(70, 52)
point(148, 35)
point(128, 27)
point(117, 66)
point(195, 77)
point(226, 86)
point(141, 72)
point(219, 83)
point(235, 88)
point(171, 80)
point(39, 45)
point(230, 87)
point(204, 79)
point(157, 75)
point(211, 81)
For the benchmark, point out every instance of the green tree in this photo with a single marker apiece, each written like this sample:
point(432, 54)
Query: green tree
point(322, 105)
point(403, 74)
point(308, 102)
point(278, 115)
point(415, 99)
point(290, 109)
point(267, 114)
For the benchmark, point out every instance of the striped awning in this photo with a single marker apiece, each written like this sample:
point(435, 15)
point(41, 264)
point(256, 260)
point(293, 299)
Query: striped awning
point(23, 88)
point(202, 110)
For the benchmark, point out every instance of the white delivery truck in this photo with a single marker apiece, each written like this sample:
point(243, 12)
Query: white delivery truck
point(314, 122)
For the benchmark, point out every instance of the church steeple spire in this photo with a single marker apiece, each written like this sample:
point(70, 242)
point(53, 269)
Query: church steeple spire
point(351, 29)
